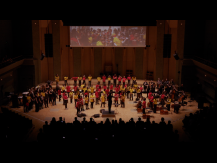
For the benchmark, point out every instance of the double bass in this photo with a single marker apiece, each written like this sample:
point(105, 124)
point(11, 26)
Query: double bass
point(173, 93)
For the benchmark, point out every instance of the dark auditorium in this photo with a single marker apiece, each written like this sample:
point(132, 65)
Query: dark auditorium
point(151, 81)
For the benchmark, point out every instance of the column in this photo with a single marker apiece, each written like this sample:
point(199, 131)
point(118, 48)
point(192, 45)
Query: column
point(36, 50)
point(180, 50)
point(159, 51)
point(56, 48)
point(139, 62)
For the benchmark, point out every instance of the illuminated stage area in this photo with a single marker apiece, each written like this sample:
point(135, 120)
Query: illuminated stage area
point(126, 113)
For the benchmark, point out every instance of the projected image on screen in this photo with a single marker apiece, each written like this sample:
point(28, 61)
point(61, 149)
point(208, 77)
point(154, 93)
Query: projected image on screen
point(107, 36)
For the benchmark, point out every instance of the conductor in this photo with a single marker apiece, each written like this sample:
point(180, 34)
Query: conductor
point(110, 100)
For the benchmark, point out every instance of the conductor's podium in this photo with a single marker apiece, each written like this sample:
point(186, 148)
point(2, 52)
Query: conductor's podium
point(145, 116)
point(105, 113)
point(164, 112)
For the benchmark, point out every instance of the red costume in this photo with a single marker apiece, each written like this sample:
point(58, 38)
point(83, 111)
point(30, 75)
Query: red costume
point(111, 87)
point(114, 77)
point(75, 88)
point(104, 77)
point(75, 78)
point(59, 92)
point(144, 104)
point(119, 79)
point(149, 95)
point(162, 96)
point(107, 91)
point(68, 88)
point(151, 99)
point(104, 86)
point(128, 78)
point(116, 97)
point(97, 94)
point(124, 79)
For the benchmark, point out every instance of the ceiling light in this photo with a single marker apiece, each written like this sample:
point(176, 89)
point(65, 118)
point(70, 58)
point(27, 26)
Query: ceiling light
point(205, 75)
point(214, 80)
point(1, 79)
point(55, 23)
point(35, 23)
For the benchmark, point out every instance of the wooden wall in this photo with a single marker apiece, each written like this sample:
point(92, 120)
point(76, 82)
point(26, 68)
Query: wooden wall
point(84, 61)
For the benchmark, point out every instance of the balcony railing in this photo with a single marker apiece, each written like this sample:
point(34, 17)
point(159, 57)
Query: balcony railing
point(201, 60)
point(10, 61)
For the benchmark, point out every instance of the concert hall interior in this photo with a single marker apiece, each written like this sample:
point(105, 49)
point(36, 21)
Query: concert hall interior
point(162, 74)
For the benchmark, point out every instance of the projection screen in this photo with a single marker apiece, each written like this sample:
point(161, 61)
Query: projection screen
point(107, 36)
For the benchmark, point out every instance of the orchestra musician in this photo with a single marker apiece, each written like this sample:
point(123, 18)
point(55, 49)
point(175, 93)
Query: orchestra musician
point(168, 103)
point(123, 100)
point(159, 82)
point(144, 105)
point(155, 104)
point(162, 99)
point(131, 93)
point(145, 85)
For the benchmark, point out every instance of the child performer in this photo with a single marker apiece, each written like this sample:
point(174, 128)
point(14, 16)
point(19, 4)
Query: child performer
point(68, 89)
point(114, 80)
point(98, 78)
point(75, 80)
point(116, 99)
point(92, 99)
point(103, 100)
point(75, 98)
point(84, 78)
point(111, 87)
point(129, 78)
point(97, 96)
point(119, 80)
point(103, 78)
point(79, 80)
point(89, 78)
point(66, 78)
point(109, 80)
point(134, 79)
point(124, 79)
point(86, 101)
point(123, 100)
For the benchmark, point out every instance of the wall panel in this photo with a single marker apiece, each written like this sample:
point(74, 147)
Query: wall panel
point(139, 62)
point(77, 61)
point(97, 61)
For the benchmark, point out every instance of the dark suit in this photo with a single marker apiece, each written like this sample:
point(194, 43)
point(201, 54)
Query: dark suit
point(109, 101)
point(176, 108)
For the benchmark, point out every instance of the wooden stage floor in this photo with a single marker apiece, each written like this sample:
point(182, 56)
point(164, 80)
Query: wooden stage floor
point(58, 110)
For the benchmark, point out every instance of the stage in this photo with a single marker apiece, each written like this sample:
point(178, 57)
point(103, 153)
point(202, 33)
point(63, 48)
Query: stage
point(130, 111)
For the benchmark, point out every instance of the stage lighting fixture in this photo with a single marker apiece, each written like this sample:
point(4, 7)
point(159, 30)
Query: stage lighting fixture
point(176, 56)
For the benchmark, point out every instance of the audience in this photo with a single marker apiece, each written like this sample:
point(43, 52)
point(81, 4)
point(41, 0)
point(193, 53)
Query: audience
point(200, 125)
point(109, 131)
